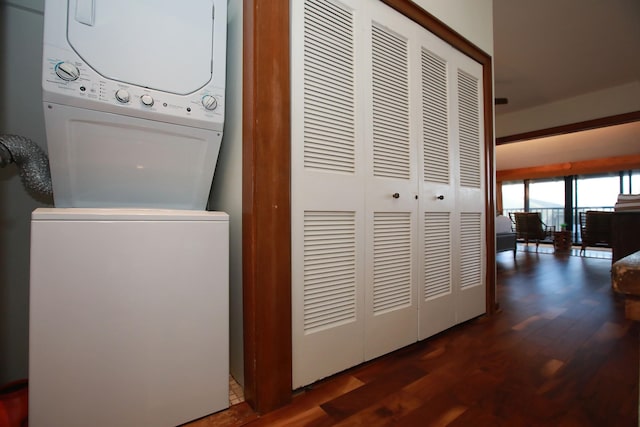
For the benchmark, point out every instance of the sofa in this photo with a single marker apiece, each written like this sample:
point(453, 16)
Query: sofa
point(505, 237)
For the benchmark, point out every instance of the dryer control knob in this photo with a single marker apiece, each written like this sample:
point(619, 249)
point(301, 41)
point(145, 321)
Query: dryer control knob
point(122, 95)
point(147, 100)
point(67, 71)
point(209, 102)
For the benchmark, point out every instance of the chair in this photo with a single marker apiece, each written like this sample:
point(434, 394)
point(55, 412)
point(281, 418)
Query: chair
point(595, 229)
point(529, 226)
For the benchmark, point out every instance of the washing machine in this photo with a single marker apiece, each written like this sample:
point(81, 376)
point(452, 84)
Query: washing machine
point(133, 96)
point(129, 317)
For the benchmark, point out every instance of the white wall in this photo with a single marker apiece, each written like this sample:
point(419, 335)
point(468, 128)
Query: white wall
point(20, 113)
point(603, 103)
point(472, 19)
point(226, 194)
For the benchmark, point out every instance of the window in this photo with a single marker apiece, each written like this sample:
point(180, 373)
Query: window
point(547, 197)
point(635, 183)
point(585, 192)
point(512, 196)
point(630, 182)
point(597, 192)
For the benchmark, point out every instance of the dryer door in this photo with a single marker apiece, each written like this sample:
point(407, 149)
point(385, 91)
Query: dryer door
point(158, 44)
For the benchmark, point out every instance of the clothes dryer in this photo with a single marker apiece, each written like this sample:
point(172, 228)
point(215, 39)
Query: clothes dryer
point(134, 101)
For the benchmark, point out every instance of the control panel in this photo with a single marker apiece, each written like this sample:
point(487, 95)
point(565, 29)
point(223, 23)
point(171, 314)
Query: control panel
point(68, 80)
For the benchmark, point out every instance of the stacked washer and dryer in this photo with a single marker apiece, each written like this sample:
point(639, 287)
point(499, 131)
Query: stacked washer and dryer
point(129, 272)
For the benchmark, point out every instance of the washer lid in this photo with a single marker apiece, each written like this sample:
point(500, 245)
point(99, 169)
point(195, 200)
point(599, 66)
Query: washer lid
point(165, 45)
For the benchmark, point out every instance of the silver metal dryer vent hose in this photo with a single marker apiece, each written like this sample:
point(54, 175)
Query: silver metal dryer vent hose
point(31, 160)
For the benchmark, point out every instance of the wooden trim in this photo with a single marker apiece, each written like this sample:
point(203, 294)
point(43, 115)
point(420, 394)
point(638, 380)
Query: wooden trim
point(417, 14)
point(446, 33)
point(608, 164)
point(266, 209)
point(570, 128)
point(490, 202)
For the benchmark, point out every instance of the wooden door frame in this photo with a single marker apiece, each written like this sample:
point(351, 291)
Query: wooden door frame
point(266, 207)
point(266, 199)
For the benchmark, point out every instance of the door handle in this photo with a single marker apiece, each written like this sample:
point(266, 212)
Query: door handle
point(396, 195)
point(440, 197)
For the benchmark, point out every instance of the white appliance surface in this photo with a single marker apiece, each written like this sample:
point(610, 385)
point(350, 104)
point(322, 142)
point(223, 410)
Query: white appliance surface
point(133, 94)
point(108, 160)
point(160, 60)
point(128, 317)
point(129, 38)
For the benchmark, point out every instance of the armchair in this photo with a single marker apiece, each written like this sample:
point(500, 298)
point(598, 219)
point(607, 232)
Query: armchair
point(529, 226)
point(595, 229)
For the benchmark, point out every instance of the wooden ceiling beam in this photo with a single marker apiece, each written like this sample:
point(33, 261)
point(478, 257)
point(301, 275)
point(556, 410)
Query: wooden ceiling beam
point(618, 119)
point(585, 167)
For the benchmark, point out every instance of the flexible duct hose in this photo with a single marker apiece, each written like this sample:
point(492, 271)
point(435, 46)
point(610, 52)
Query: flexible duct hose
point(31, 160)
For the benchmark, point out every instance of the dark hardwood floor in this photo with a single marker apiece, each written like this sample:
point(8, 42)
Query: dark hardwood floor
point(560, 353)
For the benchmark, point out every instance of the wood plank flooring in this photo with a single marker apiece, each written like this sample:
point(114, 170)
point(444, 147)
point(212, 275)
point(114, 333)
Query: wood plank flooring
point(560, 353)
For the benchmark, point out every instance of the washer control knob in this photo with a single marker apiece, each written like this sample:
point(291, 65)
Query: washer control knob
point(147, 100)
point(122, 95)
point(209, 102)
point(67, 71)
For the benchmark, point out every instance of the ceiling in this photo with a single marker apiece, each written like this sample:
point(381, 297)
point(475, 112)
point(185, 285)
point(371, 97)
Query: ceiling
point(547, 50)
point(570, 147)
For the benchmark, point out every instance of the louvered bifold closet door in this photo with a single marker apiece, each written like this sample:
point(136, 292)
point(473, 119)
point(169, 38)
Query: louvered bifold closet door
point(387, 185)
point(391, 206)
point(327, 191)
point(451, 188)
point(471, 280)
point(437, 189)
